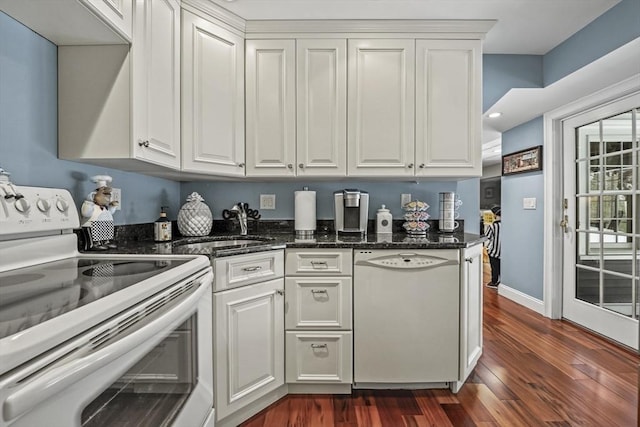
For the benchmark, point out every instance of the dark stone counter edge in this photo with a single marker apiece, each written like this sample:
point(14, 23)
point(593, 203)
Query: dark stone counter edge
point(275, 241)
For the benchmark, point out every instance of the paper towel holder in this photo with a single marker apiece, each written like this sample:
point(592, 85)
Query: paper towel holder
point(306, 233)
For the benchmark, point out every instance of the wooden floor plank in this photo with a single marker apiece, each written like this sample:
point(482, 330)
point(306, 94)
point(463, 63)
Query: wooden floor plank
point(534, 371)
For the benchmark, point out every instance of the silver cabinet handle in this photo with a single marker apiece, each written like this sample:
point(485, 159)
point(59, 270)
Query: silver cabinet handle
point(290, 166)
point(279, 292)
point(240, 165)
point(254, 268)
point(422, 165)
point(318, 291)
point(318, 263)
point(469, 260)
point(301, 165)
point(143, 143)
point(316, 346)
point(410, 165)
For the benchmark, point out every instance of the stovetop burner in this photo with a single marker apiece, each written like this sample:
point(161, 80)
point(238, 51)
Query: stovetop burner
point(124, 268)
point(32, 295)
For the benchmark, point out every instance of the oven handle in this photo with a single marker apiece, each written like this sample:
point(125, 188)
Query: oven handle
point(61, 377)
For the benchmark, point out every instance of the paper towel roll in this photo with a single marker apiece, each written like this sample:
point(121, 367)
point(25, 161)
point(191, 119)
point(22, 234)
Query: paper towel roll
point(305, 207)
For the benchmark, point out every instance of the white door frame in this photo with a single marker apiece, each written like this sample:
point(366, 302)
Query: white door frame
point(553, 182)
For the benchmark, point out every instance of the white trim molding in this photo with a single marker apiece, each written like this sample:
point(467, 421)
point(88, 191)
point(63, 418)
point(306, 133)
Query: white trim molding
point(521, 298)
point(553, 185)
point(232, 21)
point(467, 29)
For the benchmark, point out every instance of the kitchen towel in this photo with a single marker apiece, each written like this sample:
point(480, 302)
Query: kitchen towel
point(305, 210)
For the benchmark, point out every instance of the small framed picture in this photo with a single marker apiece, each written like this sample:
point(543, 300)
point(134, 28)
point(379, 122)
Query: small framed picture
point(528, 160)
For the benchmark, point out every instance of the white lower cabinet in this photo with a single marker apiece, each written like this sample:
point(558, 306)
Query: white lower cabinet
point(470, 313)
point(318, 319)
point(319, 357)
point(248, 340)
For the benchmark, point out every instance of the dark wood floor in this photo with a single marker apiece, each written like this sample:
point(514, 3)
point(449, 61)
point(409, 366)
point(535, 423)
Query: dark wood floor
point(534, 372)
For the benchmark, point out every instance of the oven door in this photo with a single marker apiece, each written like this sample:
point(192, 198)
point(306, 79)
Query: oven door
point(151, 365)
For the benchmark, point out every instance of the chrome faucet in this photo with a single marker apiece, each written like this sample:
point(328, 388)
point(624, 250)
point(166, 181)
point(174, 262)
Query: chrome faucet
point(241, 214)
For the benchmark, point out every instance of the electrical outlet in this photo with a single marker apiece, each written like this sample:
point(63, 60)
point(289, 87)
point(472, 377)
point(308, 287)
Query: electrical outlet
point(116, 196)
point(268, 201)
point(404, 199)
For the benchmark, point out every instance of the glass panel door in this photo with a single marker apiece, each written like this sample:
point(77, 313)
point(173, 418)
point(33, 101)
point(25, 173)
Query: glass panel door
point(602, 241)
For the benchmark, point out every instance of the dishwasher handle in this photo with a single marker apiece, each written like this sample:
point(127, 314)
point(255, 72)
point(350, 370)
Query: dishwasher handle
point(379, 263)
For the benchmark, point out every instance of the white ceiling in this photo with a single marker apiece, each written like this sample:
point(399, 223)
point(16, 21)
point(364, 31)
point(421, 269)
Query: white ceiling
point(524, 26)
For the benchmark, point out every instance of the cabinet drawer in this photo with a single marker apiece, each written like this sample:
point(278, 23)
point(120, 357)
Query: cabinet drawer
point(319, 357)
point(318, 302)
point(231, 272)
point(316, 262)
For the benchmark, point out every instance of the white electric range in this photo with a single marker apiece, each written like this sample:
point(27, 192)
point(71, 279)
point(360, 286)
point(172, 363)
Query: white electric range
point(97, 339)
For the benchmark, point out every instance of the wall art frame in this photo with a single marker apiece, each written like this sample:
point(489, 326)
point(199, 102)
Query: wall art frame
point(522, 161)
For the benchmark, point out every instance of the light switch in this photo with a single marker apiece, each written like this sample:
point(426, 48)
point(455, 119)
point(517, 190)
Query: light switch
point(529, 203)
point(404, 199)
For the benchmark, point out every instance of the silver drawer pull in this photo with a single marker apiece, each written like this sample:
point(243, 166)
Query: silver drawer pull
point(319, 263)
point(315, 346)
point(318, 291)
point(254, 268)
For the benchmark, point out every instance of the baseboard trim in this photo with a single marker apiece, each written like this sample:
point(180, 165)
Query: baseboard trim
point(521, 298)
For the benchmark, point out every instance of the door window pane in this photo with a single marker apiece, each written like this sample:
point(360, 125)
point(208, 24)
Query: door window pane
point(617, 294)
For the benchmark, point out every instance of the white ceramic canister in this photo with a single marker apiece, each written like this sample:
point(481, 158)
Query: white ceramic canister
point(384, 220)
point(195, 218)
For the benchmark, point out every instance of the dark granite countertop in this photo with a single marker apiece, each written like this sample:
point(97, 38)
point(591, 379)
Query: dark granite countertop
point(277, 240)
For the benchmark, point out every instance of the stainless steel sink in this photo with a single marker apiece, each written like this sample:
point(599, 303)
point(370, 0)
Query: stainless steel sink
point(222, 243)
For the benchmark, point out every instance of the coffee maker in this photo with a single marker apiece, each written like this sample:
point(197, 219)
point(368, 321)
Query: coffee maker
point(351, 211)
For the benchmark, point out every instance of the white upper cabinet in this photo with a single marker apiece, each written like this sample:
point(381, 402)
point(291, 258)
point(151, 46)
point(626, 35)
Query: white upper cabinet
point(118, 13)
point(212, 98)
point(75, 22)
point(381, 107)
point(289, 139)
point(119, 105)
point(156, 82)
point(321, 146)
point(270, 107)
point(448, 108)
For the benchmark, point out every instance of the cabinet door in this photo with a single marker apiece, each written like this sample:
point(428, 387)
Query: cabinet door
point(156, 82)
point(270, 107)
point(448, 108)
point(381, 107)
point(117, 13)
point(249, 344)
point(470, 310)
point(212, 98)
point(322, 107)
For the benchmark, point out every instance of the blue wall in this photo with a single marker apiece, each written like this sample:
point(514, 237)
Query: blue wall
point(522, 242)
point(29, 129)
point(501, 73)
point(223, 195)
point(614, 28)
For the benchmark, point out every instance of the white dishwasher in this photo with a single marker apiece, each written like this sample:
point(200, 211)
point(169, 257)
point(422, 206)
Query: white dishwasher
point(406, 318)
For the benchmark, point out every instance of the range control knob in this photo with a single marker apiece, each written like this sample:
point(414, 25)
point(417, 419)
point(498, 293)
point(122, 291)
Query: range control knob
point(62, 205)
point(22, 205)
point(43, 205)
